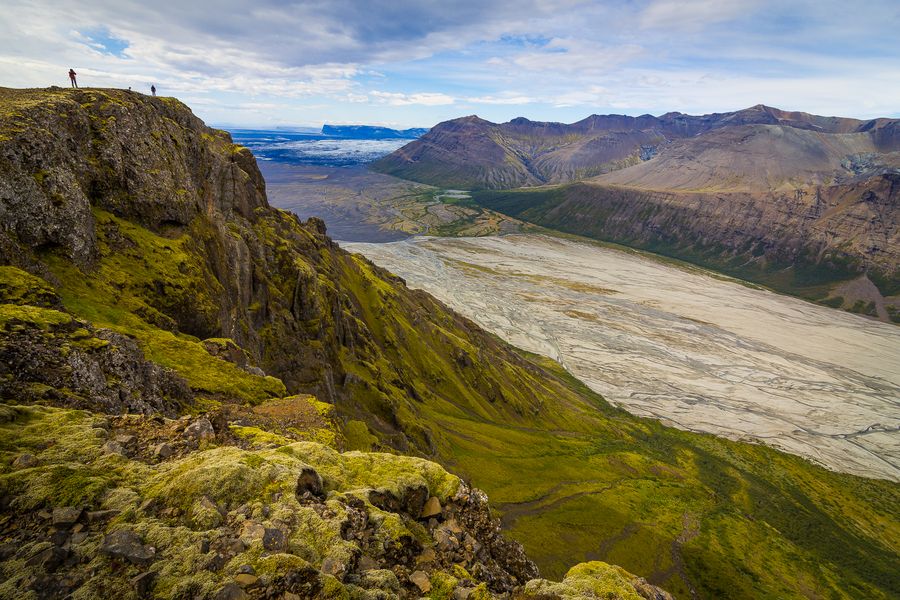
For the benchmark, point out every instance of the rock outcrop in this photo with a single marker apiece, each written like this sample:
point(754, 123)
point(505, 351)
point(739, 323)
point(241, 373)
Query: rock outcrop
point(226, 522)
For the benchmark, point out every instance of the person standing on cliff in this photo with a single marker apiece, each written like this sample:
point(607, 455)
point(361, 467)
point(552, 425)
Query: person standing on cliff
point(153, 90)
point(72, 75)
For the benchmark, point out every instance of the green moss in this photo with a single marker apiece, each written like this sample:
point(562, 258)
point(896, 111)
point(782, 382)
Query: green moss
point(358, 437)
point(587, 580)
point(117, 293)
point(12, 315)
point(442, 586)
point(199, 488)
point(19, 287)
point(258, 437)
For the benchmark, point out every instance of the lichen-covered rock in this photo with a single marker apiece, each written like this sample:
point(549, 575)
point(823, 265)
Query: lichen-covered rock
point(126, 545)
point(593, 580)
point(46, 354)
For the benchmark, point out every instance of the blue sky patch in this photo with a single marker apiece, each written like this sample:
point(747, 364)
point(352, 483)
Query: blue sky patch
point(100, 39)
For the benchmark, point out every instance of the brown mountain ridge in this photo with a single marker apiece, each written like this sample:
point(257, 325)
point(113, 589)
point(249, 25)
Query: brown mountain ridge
point(472, 153)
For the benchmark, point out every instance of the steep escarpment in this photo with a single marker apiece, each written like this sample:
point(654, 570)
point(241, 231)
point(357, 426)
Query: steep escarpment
point(149, 221)
point(812, 241)
point(194, 382)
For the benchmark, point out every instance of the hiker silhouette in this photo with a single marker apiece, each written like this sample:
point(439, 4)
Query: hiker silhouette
point(72, 75)
point(153, 89)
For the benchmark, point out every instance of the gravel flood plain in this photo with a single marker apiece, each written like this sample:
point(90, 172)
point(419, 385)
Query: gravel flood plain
point(694, 349)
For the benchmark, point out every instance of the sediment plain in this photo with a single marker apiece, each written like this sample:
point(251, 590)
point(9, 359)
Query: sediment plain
point(663, 339)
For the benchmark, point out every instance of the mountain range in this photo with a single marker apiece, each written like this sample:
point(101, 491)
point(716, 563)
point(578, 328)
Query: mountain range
point(797, 149)
point(801, 203)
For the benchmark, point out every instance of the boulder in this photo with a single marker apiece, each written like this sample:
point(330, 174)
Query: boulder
point(25, 461)
point(66, 516)
point(274, 540)
point(163, 450)
point(200, 430)
point(126, 545)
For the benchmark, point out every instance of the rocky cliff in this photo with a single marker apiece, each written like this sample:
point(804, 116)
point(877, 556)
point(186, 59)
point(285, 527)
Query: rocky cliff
point(193, 384)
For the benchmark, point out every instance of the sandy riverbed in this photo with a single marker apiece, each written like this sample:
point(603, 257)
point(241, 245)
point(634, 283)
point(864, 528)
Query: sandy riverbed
point(694, 350)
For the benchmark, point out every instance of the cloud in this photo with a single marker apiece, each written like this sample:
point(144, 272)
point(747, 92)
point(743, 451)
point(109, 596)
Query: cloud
point(693, 15)
point(504, 99)
point(568, 55)
point(425, 99)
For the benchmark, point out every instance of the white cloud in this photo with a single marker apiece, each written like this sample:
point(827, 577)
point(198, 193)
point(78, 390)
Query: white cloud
point(424, 98)
point(694, 15)
point(502, 99)
point(554, 57)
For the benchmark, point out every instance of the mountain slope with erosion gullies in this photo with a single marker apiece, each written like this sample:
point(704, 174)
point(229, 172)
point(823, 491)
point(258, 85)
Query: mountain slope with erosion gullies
point(838, 245)
point(194, 382)
point(471, 153)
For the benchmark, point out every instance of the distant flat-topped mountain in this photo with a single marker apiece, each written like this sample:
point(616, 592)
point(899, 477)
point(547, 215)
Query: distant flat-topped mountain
point(373, 132)
point(473, 153)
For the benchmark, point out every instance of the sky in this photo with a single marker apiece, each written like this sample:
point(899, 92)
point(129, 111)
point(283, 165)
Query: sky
point(404, 63)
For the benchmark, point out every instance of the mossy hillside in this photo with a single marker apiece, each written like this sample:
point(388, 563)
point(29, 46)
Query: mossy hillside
point(692, 513)
point(19, 287)
point(136, 270)
point(164, 502)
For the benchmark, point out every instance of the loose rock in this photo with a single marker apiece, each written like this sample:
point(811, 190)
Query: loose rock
point(25, 461)
point(66, 516)
point(274, 539)
point(163, 450)
point(245, 580)
point(309, 483)
point(112, 447)
point(143, 583)
point(231, 591)
point(199, 430)
point(421, 581)
point(126, 544)
point(432, 508)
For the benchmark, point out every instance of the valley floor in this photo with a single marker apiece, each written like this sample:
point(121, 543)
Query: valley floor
point(693, 349)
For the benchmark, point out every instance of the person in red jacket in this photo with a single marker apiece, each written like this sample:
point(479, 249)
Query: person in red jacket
point(72, 75)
